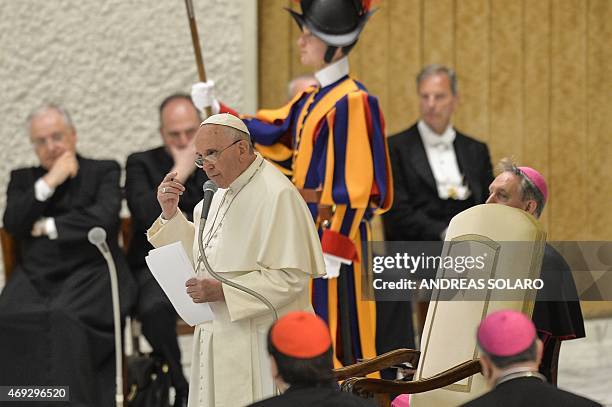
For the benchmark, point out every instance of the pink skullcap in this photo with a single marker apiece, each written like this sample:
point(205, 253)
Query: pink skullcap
point(506, 333)
point(301, 335)
point(537, 179)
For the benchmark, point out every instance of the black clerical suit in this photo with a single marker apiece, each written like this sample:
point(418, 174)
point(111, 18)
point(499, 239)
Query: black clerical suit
point(56, 321)
point(315, 396)
point(557, 314)
point(529, 392)
point(144, 172)
point(419, 214)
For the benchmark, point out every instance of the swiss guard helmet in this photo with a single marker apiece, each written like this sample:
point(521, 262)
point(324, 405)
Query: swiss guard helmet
point(337, 23)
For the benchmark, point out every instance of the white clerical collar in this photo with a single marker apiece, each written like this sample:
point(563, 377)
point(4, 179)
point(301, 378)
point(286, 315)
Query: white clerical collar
point(517, 373)
point(248, 174)
point(333, 72)
point(432, 139)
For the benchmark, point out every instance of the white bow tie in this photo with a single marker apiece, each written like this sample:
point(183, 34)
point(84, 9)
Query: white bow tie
point(442, 145)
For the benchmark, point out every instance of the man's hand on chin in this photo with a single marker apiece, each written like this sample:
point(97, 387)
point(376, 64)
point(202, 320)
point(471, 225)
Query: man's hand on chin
point(184, 161)
point(66, 166)
point(204, 290)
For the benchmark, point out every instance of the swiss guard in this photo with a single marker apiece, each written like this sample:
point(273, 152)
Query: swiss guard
point(330, 140)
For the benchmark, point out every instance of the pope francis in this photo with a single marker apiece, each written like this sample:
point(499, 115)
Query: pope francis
point(260, 235)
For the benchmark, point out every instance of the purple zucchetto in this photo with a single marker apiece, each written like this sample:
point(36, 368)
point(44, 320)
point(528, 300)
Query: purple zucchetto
point(506, 333)
point(537, 179)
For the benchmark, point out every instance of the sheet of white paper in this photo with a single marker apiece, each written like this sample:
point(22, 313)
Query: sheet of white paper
point(171, 268)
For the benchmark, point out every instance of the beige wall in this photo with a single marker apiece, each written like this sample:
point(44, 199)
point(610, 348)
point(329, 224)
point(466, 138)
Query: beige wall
point(535, 81)
point(110, 63)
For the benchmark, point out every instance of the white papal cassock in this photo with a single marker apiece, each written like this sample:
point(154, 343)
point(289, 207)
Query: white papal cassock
point(260, 234)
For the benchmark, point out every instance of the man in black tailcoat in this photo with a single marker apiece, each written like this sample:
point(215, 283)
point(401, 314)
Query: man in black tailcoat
point(437, 173)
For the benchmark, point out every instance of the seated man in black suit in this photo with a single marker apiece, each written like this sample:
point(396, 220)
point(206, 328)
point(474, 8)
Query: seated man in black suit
point(510, 355)
point(179, 122)
point(557, 314)
point(56, 319)
point(300, 350)
point(437, 173)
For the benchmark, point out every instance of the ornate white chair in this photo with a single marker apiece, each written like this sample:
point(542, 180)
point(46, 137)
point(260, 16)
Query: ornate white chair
point(447, 364)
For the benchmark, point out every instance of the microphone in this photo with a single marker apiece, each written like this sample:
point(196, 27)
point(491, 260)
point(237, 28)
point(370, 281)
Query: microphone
point(97, 237)
point(209, 188)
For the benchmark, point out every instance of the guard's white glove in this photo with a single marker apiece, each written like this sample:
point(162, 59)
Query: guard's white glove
point(203, 96)
point(332, 265)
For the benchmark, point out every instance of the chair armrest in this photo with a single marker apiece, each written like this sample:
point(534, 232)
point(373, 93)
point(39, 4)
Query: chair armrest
point(125, 232)
point(9, 253)
point(379, 362)
point(366, 387)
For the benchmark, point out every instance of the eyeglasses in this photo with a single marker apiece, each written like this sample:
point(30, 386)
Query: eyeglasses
point(55, 138)
point(212, 158)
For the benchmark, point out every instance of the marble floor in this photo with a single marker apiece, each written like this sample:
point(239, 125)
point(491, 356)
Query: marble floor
point(585, 365)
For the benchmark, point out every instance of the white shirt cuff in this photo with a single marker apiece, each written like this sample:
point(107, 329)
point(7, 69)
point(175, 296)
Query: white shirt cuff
point(51, 229)
point(338, 259)
point(42, 191)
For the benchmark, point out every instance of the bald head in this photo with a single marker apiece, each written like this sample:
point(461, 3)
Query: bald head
point(179, 121)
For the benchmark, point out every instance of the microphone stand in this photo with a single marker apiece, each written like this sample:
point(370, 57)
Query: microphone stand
point(103, 248)
point(202, 259)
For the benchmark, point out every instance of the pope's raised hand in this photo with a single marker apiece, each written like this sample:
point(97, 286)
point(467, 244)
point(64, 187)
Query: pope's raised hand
point(168, 195)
